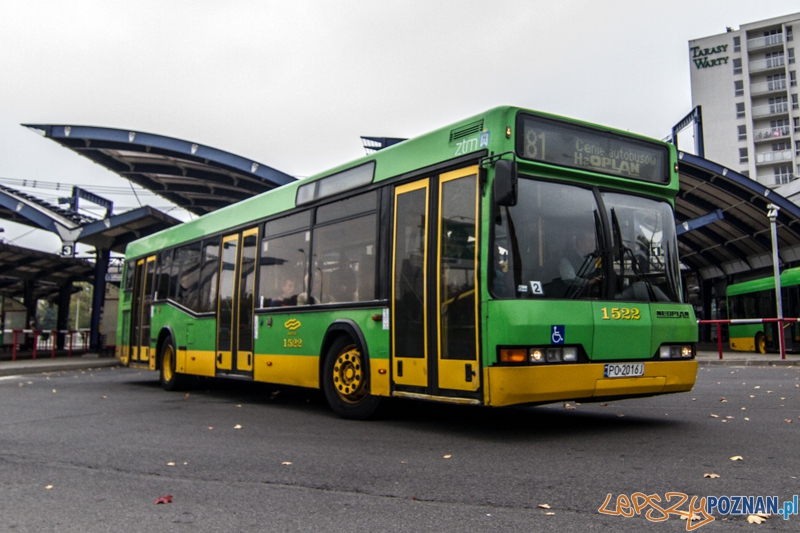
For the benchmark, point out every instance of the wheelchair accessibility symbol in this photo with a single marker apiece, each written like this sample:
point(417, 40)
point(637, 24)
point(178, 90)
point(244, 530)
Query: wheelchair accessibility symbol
point(558, 334)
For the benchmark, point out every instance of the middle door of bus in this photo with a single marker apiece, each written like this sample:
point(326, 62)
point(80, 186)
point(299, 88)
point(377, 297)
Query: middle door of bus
point(434, 280)
point(235, 315)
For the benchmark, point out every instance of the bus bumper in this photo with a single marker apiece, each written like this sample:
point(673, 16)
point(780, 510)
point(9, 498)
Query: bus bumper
point(509, 385)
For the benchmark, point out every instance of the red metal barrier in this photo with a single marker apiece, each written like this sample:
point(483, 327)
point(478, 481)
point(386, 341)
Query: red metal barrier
point(53, 340)
point(737, 321)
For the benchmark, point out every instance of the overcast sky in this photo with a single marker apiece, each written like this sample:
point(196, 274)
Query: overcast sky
point(294, 84)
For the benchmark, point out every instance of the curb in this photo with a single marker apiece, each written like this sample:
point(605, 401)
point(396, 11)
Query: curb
point(747, 362)
point(18, 368)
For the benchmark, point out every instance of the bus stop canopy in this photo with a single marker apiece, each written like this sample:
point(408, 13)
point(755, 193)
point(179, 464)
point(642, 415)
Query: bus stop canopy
point(44, 273)
point(113, 232)
point(198, 178)
point(740, 241)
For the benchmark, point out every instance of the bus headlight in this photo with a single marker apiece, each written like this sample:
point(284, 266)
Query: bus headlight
point(571, 354)
point(676, 351)
point(555, 355)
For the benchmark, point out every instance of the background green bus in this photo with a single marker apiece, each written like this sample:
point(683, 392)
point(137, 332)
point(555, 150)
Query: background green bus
point(434, 269)
point(756, 299)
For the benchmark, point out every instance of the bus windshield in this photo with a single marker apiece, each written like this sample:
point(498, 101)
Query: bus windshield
point(553, 245)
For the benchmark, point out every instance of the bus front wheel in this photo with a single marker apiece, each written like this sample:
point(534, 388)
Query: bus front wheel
point(170, 379)
point(761, 343)
point(346, 381)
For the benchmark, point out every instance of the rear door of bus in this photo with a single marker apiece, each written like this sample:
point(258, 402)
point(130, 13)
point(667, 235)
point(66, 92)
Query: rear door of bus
point(235, 303)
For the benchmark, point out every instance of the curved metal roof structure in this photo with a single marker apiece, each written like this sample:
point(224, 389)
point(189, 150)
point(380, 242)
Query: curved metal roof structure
point(740, 241)
point(198, 178)
point(113, 232)
point(47, 272)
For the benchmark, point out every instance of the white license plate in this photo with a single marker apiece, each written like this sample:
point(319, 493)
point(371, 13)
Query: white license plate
point(623, 370)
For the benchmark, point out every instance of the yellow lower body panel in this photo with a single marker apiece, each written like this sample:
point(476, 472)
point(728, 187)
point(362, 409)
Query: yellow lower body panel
point(299, 370)
point(507, 385)
point(379, 377)
point(743, 344)
point(196, 362)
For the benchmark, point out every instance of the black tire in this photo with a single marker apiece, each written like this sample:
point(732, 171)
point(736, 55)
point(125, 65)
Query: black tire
point(761, 343)
point(345, 381)
point(170, 379)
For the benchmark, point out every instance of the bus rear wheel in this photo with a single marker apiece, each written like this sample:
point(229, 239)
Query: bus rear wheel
point(761, 343)
point(170, 379)
point(346, 381)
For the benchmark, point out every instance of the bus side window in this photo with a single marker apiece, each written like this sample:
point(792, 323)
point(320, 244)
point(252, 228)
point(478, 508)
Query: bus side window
point(339, 273)
point(282, 271)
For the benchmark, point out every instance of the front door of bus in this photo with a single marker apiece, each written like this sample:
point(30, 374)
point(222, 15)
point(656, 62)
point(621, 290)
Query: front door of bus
point(141, 309)
point(235, 303)
point(434, 280)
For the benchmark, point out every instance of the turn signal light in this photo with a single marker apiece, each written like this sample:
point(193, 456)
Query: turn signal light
point(513, 355)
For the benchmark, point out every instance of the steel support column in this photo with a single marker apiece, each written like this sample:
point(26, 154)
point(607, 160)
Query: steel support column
point(62, 319)
point(98, 297)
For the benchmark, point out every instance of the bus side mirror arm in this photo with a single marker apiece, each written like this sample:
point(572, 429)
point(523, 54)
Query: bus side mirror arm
point(505, 182)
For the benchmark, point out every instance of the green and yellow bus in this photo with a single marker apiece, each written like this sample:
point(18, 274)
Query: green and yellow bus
point(514, 257)
point(756, 299)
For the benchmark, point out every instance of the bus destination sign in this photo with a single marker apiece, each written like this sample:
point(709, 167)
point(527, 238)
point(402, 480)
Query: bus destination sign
point(576, 146)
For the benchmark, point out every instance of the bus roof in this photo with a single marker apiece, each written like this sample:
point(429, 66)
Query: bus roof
point(428, 149)
point(789, 277)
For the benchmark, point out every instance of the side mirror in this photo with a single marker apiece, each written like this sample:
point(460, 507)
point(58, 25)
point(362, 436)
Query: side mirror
point(505, 182)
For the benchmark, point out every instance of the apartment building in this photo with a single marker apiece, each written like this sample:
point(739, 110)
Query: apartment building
point(746, 82)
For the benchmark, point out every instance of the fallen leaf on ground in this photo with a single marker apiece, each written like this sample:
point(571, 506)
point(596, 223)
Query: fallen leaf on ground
point(550, 514)
point(755, 519)
point(714, 416)
point(737, 458)
point(788, 420)
point(544, 506)
point(286, 463)
point(171, 463)
point(711, 475)
point(729, 417)
point(210, 427)
point(237, 426)
point(746, 418)
point(603, 405)
point(757, 387)
point(448, 456)
point(54, 390)
point(48, 487)
point(695, 516)
point(568, 406)
point(723, 400)
point(163, 499)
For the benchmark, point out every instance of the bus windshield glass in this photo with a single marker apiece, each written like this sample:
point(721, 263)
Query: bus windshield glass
point(644, 248)
point(552, 245)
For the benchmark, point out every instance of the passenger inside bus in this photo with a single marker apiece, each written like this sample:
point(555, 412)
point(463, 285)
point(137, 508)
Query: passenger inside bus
point(288, 295)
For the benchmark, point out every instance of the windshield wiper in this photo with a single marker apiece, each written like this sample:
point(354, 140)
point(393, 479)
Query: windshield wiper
point(622, 251)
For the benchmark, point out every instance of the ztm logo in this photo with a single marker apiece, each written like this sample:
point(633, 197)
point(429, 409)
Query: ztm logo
point(292, 324)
